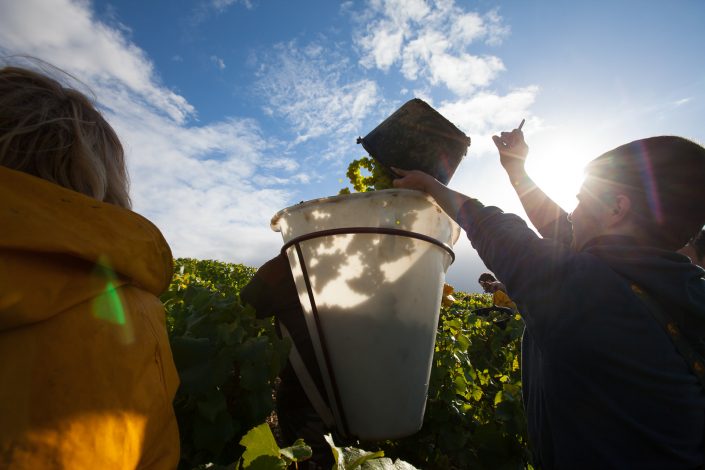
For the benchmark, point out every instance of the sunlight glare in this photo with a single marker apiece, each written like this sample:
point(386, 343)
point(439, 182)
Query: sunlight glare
point(556, 163)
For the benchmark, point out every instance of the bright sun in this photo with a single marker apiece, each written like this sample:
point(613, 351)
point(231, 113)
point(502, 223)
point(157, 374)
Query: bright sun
point(556, 164)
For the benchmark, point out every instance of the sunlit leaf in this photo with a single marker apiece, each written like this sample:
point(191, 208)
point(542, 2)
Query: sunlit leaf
point(257, 442)
point(298, 452)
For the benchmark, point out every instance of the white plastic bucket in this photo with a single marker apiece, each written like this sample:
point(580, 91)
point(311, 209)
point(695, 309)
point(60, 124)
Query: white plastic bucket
point(371, 301)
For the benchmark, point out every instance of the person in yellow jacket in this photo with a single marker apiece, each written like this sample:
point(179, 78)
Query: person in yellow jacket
point(500, 298)
point(501, 303)
point(87, 377)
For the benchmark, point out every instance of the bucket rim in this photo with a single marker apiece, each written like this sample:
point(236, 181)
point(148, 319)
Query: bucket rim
point(274, 223)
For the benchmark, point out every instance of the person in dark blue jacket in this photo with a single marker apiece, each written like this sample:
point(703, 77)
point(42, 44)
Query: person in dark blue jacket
point(604, 384)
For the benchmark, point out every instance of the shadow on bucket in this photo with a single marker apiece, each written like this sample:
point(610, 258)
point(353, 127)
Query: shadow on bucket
point(369, 269)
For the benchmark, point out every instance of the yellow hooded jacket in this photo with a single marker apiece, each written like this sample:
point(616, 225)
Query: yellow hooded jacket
point(87, 377)
point(501, 299)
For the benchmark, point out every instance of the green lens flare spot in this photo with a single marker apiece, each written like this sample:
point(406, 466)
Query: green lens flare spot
point(108, 306)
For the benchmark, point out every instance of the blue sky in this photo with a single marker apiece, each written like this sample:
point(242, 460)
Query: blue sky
point(233, 109)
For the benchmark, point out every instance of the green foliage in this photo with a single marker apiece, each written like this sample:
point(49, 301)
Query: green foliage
point(224, 278)
point(227, 360)
point(474, 415)
point(377, 177)
point(262, 452)
point(352, 458)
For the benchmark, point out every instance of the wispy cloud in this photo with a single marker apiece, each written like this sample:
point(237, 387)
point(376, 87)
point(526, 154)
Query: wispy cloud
point(220, 63)
point(431, 41)
point(205, 9)
point(221, 5)
point(310, 88)
point(206, 185)
point(682, 101)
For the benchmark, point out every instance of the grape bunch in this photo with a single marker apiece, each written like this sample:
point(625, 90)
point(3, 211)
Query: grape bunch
point(378, 176)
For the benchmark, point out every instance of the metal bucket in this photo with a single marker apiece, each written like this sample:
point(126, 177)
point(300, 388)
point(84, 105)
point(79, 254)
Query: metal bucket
point(417, 137)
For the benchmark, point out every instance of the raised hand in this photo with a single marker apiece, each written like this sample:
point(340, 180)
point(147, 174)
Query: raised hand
point(414, 179)
point(512, 149)
point(451, 201)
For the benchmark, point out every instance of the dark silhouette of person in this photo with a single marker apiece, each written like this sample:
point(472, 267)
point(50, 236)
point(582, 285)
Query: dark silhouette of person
point(272, 292)
point(608, 304)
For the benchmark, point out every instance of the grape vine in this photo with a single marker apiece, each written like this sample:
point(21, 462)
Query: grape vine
point(228, 360)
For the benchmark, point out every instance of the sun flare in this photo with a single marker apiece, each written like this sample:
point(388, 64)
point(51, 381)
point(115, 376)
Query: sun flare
point(557, 163)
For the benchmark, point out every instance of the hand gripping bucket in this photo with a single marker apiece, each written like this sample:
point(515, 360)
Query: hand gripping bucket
point(369, 269)
point(417, 137)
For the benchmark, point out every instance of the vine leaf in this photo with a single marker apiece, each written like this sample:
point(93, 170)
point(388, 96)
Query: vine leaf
point(259, 442)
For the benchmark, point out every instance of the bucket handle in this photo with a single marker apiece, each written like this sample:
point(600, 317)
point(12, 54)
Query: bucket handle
point(371, 230)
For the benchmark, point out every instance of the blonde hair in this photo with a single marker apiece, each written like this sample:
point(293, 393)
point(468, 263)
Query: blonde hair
point(55, 133)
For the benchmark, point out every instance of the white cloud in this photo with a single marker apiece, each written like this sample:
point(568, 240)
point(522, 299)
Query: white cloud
point(418, 53)
point(385, 45)
point(496, 29)
point(288, 164)
point(468, 27)
point(463, 74)
point(56, 30)
point(485, 114)
point(402, 11)
point(438, 49)
point(218, 62)
point(206, 187)
point(431, 41)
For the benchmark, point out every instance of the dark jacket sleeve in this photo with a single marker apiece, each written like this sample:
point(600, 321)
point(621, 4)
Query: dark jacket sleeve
point(529, 266)
point(560, 229)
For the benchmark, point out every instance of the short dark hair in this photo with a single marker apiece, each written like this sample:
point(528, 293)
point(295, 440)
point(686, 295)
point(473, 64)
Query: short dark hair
point(486, 277)
point(664, 178)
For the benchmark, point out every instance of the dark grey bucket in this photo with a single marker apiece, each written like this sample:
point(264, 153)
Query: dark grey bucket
point(417, 137)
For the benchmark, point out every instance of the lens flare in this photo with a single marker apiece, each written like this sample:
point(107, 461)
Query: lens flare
point(108, 304)
point(649, 184)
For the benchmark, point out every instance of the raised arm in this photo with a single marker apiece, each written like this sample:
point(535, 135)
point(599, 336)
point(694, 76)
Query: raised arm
point(547, 216)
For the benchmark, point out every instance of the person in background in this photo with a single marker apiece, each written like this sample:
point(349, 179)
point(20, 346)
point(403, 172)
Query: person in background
point(302, 410)
point(501, 303)
point(87, 377)
point(490, 284)
point(500, 298)
point(610, 316)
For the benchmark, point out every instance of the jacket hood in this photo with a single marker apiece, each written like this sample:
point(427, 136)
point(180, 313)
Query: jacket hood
point(54, 241)
point(667, 276)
